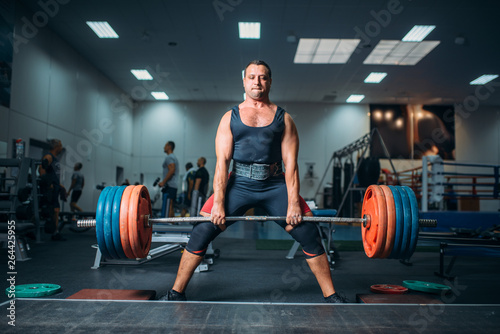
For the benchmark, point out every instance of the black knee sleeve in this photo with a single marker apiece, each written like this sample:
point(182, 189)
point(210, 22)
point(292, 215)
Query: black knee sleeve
point(202, 234)
point(307, 235)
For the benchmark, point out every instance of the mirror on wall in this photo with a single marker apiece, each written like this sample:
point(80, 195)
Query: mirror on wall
point(6, 49)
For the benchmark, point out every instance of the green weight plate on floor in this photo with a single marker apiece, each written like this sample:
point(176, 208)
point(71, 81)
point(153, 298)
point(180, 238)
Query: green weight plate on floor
point(405, 240)
point(115, 222)
point(426, 287)
point(108, 233)
point(398, 236)
point(414, 221)
point(99, 217)
point(34, 290)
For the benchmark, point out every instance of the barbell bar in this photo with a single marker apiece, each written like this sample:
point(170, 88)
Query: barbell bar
point(173, 220)
point(389, 222)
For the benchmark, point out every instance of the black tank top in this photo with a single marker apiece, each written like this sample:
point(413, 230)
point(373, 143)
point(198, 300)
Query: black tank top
point(54, 170)
point(257, 144)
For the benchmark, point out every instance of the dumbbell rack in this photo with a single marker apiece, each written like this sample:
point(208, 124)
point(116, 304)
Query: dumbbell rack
point(19, 171)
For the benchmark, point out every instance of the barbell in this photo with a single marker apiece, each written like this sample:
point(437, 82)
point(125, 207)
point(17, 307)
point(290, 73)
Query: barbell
point(389, 223)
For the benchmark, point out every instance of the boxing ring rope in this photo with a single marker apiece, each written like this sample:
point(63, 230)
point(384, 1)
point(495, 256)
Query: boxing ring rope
point(432, 183)
point(438, 184)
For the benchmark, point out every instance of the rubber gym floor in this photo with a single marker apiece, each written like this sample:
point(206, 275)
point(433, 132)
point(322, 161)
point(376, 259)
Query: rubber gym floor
point(253, 288)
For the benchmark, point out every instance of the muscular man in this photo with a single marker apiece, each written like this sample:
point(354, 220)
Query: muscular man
point(50, 172)
point(258, 136)
point(169, 181)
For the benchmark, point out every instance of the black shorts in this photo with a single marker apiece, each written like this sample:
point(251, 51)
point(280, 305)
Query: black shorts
point(243, 193)
point(75, 196)
point(54, 196)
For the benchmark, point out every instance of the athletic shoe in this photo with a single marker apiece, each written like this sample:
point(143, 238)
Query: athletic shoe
point(336, 298)
point(174, 296)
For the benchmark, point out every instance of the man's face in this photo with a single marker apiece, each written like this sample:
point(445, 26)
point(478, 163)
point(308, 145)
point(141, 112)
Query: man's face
point(165, 148)
point(199, 163)
point(257, 82)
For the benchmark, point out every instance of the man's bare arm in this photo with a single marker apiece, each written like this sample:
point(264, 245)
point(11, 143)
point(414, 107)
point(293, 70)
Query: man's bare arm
point(224, 153)
point(290, 151)
point(170, 173)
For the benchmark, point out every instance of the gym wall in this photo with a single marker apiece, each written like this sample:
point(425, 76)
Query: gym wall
point(58, 94)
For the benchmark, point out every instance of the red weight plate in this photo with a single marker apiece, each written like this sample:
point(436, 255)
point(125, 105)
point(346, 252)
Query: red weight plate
point(124, 235)
point(388, 289)
point(139, 235)
point(145, 232)
point(374, 210)
point(391, 221)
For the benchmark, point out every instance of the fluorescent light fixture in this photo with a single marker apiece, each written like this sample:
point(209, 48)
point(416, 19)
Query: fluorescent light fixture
point(249, 30)
point(483, 79)
point(102, 29)
point(324, 50)
point(393, 52)
point(160, 95)
point(142, 74)
point(355, 98)
point(375, 77)
point(418, 33)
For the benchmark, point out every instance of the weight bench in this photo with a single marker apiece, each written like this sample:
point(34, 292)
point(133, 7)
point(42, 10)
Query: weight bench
point(175, 238)
point(471, 247)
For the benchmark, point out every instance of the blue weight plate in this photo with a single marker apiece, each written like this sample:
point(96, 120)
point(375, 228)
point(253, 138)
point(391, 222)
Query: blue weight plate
point(405, 243)
point(398, 235)
point(115, 222)
point(108, 234)
point(99, 227)
point(414, 220)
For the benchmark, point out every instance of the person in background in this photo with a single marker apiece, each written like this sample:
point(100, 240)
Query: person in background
point(77, 184)
point(51, 187)
point(200, 187)
point(169, 181)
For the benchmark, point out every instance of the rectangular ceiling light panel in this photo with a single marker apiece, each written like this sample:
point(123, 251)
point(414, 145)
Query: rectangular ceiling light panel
point(418, 33)
point(102, 29)
point(375, 77)
point(391, 52)
point(324, 50)
point(160, 95)
point(142, 74)
point(249, 30)
point(355, 98)
point(484, 79)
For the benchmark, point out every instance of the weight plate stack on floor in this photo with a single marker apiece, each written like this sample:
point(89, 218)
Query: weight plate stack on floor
point(35, 290)
point(426, 287)
point(390, 289)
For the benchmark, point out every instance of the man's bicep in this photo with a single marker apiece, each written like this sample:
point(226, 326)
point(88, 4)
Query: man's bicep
point(224, 139)
point(290, 141)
